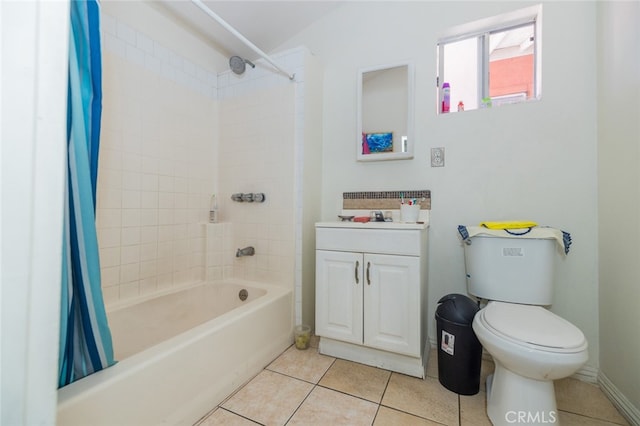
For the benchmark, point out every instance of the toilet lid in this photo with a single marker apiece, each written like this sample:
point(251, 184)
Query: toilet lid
point(533, 324)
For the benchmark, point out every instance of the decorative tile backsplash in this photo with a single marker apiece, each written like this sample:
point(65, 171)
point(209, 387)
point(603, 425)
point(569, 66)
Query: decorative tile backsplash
point(377, 200)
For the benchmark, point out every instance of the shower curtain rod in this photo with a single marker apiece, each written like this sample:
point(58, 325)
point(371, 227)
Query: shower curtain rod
point(240, 37)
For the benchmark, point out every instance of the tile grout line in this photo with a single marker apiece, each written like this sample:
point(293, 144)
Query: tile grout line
point(240, 415)
point(312, 389)
point(386, 386)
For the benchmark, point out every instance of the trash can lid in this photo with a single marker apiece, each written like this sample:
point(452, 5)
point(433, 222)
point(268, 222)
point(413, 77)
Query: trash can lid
point(457, 308)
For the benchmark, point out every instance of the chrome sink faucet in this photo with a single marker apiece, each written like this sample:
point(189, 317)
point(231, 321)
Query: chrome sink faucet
point(247, 251)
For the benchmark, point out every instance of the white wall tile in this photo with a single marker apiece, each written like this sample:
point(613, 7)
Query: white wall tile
point(130, 236)
point(149, 199)
point(110, 276)
point(129, 290)
point(165, 234)
point(152, 63)
point(166, 200)
point(130, 199)
point(109, 257)
point(130, 217)
point(149, 217)
point(108, 218)
point(166, 183)
point(135, 55)
point(148, 286)
point(149, 164)
point(144, 43)
point(131, 176)
point(125, 32)
point(149, 182)
point(109, 237)
point(149, 234)
point(148, 251)
point(130, 254)
point(165, 216)
point(115, 45)
point(148, 269)
point(110, 198)
point(137, 47)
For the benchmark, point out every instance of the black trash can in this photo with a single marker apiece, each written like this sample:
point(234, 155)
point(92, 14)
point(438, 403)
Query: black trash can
point(459, 351)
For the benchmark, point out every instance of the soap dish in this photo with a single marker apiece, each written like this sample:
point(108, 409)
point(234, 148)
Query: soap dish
point(362, 219)
point(346, 218)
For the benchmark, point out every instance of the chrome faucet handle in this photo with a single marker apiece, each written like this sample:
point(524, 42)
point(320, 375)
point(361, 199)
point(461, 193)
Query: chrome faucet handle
point(258, 197)
point(247, 251)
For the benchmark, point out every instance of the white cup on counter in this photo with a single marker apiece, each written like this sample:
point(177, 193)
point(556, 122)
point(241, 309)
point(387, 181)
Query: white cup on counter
point(409, 213)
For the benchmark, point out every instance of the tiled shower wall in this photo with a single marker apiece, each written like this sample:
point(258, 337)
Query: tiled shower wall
point(155, 171)
point(257, 156)
point(162, 118)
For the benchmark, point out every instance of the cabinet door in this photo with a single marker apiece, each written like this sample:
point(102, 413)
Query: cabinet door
point(392, 303)
point(339, 282)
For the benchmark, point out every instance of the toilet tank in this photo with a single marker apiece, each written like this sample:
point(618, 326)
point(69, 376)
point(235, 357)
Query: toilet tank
point(517, 270)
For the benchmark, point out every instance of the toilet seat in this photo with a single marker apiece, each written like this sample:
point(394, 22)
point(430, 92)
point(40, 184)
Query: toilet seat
point(533, 326)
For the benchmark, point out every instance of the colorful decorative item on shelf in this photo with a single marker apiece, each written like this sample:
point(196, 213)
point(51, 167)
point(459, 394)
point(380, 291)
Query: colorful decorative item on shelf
point(377, 142)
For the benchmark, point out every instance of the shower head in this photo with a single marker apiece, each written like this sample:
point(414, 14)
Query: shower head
point(238, 64)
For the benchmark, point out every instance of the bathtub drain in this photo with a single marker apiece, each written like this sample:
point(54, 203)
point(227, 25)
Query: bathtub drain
point(243, 294)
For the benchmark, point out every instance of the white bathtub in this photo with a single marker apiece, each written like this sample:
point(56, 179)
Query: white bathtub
point(181, 354)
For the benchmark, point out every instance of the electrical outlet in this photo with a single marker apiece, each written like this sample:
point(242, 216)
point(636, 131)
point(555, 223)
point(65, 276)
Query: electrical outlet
point(437, 157)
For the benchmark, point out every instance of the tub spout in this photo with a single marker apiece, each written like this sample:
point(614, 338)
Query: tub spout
point(247, 251)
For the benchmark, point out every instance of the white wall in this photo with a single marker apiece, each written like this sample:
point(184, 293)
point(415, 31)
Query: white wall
point(532, 161)
point(619, 199)
point(34, 60)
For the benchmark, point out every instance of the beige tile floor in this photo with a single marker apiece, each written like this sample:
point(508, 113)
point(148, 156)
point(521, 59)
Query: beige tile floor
point(302, 387)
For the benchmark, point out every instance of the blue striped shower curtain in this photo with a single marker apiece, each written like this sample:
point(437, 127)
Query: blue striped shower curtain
point(85, 339)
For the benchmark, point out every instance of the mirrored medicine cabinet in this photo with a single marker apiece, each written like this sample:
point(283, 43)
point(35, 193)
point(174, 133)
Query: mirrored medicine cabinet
point(385, 113)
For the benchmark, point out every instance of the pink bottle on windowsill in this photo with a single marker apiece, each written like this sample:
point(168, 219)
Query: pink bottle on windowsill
point(446, 97)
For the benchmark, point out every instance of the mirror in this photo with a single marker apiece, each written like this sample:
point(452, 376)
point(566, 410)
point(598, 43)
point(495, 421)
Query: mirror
point(385, 113)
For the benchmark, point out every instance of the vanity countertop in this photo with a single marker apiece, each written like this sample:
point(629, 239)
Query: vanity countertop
point(373, 225)
point(423, 221)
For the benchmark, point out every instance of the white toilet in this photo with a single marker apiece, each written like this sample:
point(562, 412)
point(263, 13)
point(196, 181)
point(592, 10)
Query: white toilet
point(530, 345)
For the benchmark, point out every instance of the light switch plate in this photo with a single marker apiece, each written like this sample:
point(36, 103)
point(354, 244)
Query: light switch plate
point(437, 157)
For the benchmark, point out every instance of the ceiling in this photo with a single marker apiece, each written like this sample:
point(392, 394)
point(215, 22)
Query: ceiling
point(266, 24)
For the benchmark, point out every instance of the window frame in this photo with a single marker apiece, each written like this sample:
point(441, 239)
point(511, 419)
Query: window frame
point(482, 30)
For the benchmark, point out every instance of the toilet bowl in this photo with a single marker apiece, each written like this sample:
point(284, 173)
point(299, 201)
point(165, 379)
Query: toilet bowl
point(531, 347)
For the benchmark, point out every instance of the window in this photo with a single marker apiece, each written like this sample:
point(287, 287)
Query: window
point(491, 62)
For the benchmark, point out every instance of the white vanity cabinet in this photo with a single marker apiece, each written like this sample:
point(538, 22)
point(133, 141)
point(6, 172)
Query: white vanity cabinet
point(371, 294)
